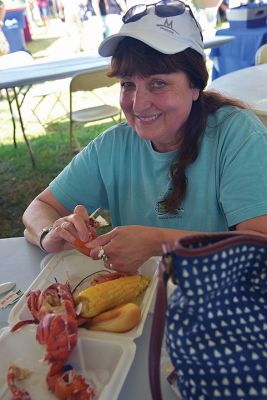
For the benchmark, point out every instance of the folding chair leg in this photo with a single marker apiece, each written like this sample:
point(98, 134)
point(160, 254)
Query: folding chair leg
point(34, 112)
point(72, 135)
point(73, 138)
point(57, 99)
point(23, 130)
point(12, 117)
point(114, 119)
point(61, 102)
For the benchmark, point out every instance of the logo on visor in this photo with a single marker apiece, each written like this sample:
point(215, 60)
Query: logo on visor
point(167, 26)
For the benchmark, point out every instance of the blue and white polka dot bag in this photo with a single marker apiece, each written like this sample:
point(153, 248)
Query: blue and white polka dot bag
point(216, 319)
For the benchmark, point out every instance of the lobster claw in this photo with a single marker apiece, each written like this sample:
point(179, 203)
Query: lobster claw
point(71, 385)
point(16, 373)
point(59, 334)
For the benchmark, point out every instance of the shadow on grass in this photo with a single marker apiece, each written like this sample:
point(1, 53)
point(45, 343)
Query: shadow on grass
point(20, 182)
point(37, 44)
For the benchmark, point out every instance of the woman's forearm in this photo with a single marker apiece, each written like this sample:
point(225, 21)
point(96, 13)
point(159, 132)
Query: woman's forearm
point(37, 216)
point(161, 236)
point(43, 211)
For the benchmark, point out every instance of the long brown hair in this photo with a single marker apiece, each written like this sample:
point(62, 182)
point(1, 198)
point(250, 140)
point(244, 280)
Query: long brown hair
point(133, 57)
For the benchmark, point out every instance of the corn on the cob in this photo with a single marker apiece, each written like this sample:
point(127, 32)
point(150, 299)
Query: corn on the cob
point(106, 295)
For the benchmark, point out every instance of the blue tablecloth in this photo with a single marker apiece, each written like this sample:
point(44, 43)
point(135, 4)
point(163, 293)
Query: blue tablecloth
point(240, 52)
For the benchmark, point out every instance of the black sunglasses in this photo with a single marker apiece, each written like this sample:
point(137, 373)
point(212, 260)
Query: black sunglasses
point(163, 9)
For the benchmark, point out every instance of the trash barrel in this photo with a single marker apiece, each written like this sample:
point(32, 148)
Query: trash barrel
point(14, 24)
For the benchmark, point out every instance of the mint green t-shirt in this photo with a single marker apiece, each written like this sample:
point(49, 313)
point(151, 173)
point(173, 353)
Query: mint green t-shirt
point(121, 172)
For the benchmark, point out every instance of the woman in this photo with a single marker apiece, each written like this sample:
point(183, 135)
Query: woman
point(186, 161)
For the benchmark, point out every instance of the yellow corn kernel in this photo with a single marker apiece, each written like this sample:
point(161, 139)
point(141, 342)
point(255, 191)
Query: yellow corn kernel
point(106, 295)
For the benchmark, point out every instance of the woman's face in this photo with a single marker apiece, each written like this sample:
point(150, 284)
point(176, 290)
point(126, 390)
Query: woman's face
point(158, 106)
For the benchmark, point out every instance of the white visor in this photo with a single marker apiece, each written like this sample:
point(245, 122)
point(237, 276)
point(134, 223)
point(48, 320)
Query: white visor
point(169, 35)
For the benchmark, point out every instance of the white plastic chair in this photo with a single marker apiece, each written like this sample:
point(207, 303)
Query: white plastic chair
point(98, 106)
point(41, 91)
point(261, 55)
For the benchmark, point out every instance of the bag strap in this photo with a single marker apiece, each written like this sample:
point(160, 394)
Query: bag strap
point(157, 333)
point(215, 241)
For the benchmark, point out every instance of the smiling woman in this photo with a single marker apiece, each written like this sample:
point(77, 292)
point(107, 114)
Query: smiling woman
point(181, 162)
point(171, 97)
point(156, 99)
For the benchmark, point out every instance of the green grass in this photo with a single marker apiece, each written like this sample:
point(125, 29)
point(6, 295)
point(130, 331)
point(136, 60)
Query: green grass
point(34, 46)
point(20, 183)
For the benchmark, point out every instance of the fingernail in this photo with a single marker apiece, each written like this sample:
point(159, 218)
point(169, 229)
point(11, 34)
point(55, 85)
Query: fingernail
point(85, 236)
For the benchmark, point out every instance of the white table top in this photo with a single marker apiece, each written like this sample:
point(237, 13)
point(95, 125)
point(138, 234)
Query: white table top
point(33, 71)
point(20, 262)
point(248, 85)
point(40, 71)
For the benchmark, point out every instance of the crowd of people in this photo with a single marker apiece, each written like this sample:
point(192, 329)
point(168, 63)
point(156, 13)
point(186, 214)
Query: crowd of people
point(103, 14)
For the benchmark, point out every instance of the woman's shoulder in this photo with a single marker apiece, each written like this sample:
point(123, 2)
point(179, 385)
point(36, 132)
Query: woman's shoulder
point(232, 127)
point(118, 135)
point(121, 131)
point(231, 118)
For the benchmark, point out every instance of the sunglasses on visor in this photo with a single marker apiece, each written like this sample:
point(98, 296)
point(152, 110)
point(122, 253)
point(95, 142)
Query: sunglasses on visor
point(163, 9)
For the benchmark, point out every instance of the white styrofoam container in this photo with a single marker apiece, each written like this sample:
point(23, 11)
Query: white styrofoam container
point(72, 266)
point(103, 358)
point(103, 363)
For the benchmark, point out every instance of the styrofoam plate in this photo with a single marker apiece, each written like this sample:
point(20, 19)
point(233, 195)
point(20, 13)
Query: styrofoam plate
point(103, 363)
point(73, 266)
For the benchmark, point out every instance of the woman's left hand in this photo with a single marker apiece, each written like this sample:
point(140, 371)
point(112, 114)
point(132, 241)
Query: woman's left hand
point(126, 248)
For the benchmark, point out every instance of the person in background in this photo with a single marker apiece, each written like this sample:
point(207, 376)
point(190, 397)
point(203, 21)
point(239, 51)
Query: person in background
point(70, 12)
point(113, 18)
point(187, 160)
point(221, 17)
point(100, 8)
point(117, 7)
point(43, 6)
point(53, 8)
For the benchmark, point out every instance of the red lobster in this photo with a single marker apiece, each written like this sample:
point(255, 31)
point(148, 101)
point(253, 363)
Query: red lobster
point(15, 373)
point(54, 311)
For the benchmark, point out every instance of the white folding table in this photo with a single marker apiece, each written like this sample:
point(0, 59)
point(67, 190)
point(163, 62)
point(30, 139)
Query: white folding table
point(248, 85)
point(18, 79)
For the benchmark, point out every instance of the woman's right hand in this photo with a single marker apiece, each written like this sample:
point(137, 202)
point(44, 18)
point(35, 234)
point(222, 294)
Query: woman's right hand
point(67, 229)
point(126, 248)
